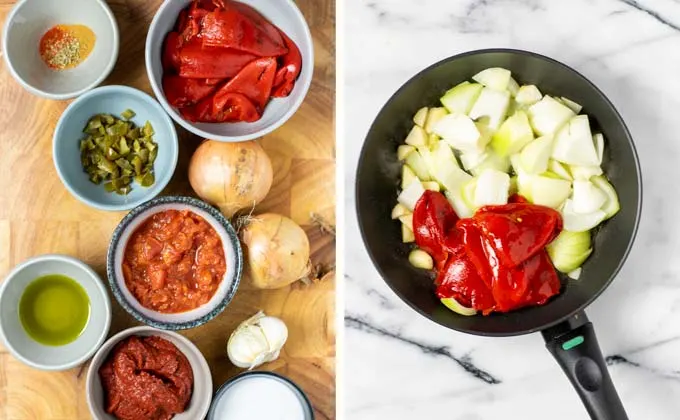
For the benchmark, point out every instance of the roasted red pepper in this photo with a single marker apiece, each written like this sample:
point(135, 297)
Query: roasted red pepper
point(433, 220)
point(230, 28)
point(260, 22)
point(181, 92)
point(289, 70)
point(171, 52)
point(254, 81)
point(494, 261)
point(460, 280)
point(236, 107)
point(199, 62)
point(237, 60)
point(517, 231)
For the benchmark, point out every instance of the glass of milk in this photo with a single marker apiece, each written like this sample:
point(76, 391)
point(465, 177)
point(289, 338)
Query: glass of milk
point(260, 395)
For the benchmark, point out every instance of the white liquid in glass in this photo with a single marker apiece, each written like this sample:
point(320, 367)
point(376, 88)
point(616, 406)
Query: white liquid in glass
point(259, 397)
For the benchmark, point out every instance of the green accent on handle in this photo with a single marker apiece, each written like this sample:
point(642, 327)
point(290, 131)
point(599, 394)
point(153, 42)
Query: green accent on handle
point(570, 344)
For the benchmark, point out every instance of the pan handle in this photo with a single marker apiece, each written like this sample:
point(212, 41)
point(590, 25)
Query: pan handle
point(574, 345)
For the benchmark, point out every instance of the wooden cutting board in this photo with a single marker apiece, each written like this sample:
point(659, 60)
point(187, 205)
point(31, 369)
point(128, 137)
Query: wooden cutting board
point(38, 216)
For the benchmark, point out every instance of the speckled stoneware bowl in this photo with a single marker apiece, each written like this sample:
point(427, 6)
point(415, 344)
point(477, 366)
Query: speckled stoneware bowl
point(201, 394)
point(195, 317)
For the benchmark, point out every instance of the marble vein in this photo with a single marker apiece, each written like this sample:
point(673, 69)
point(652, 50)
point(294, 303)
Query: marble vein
point(636, 5)
point(465, 362)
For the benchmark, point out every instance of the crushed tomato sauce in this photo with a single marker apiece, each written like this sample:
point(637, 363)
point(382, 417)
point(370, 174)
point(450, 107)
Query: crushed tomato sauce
point(146, 378)
point(494, 261)
point(174, 262)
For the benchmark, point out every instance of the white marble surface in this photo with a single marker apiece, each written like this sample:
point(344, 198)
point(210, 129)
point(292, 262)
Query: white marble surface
point(399, 365)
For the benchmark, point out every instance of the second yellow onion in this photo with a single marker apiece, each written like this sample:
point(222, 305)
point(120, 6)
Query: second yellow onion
point(277, 251)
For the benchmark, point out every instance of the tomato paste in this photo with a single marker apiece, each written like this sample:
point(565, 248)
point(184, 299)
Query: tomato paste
point(494, 261)
point(174, 262)
point(146, 378)
point(224, 61)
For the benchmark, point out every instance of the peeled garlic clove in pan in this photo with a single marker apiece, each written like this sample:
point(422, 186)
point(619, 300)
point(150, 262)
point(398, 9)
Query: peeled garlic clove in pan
point(257, 340)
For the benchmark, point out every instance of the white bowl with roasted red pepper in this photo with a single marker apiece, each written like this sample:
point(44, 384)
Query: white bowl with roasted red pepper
point(283, 14)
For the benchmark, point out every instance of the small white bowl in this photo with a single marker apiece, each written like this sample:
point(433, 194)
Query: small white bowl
point(201, 395)
point(183, 320)
point(38, 355)
point(27, 23)
point(282, 13)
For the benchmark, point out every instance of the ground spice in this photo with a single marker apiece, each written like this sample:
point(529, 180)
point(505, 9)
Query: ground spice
point(66, 46)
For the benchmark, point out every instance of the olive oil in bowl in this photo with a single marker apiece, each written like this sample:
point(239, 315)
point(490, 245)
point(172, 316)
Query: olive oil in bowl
point(54, 310)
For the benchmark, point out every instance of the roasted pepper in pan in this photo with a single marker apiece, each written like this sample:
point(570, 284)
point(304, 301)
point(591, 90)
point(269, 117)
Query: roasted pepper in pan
point(494, 261)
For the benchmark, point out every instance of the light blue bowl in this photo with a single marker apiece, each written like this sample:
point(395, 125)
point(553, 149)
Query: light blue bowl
point(112, 100)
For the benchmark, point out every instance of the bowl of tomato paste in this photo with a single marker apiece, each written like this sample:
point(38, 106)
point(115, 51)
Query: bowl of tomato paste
point(230, 70)
point(143, 373)
point(174, 263)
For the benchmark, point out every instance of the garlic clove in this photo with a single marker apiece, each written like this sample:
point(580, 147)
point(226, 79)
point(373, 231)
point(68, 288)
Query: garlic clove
point(257, 340)
point(245, 345)
point(275, 331)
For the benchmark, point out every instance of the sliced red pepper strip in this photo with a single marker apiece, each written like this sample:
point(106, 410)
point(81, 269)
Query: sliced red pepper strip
point(543, 279)
point(181, 92)
point(517, 231)
point(433, 220)
point(182, 20)
point(199, 62)
point(207, 5)
point(459, 279)
point(260, 21)
point(237, 107)
point(474, 248)
point(213, 82)
point(532, 283)
point(287, 74)
point(254, 81)
point(171, 52)
point(229, 28)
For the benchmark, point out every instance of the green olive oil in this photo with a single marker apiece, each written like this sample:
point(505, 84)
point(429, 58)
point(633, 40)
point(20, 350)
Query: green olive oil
point(54, 310)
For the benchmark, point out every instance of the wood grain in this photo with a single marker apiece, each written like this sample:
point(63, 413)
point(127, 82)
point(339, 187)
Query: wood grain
point(38, 215)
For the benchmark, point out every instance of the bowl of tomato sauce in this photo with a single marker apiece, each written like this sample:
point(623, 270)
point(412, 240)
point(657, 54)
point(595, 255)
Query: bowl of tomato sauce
point(174, 263)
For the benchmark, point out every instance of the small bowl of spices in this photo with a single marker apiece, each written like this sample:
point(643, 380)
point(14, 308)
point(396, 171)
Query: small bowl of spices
point(60, 49)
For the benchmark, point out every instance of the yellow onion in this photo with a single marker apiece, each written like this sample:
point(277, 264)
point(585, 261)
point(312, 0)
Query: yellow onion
point(277, 251)
point(232, 176)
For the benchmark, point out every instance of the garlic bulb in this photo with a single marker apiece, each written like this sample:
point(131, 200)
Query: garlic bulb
point(257, 340)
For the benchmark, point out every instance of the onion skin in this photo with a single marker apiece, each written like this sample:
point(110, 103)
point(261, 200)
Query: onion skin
point(232, 176)
point(277, 251)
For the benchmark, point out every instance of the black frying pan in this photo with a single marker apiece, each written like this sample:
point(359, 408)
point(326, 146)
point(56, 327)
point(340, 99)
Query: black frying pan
point(568, 334)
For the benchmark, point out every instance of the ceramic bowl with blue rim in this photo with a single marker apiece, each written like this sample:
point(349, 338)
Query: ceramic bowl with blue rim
point(194, 317)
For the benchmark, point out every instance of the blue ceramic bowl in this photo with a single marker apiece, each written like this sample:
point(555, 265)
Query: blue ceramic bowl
point(183, 320)
point(112, 100)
